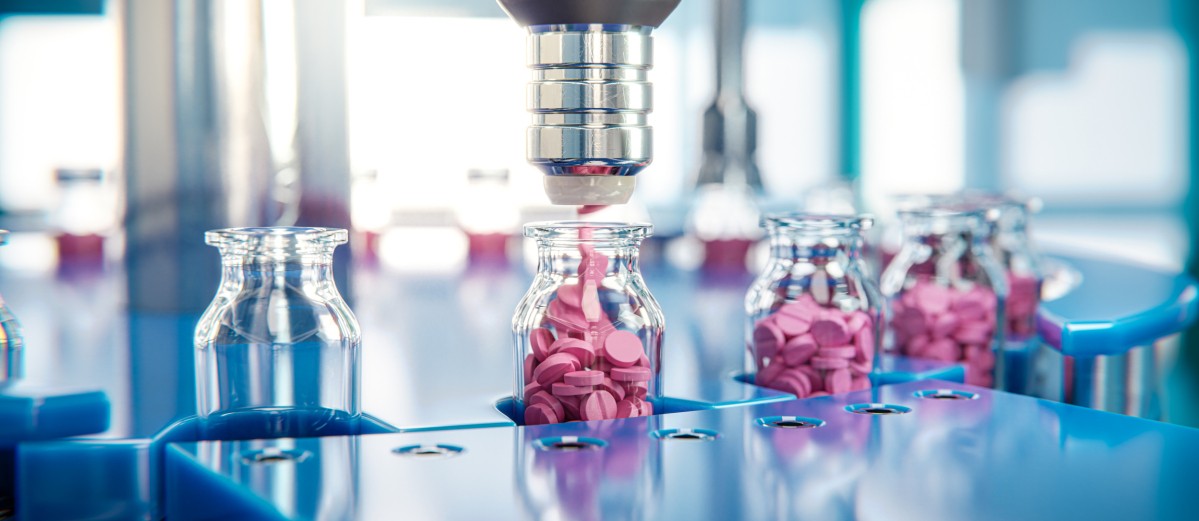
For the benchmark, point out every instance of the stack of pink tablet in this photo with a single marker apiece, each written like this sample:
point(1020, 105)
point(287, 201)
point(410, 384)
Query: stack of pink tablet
point(589, 370)
point(807, 349)
point(1024, 293)
point(948, 324)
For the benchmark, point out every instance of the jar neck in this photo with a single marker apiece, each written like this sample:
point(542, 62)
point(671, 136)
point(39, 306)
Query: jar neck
point(817, 248)
point(251, 270)
point(1013, 221)
point(563, 258)
point(954, 249)
point(945, 232)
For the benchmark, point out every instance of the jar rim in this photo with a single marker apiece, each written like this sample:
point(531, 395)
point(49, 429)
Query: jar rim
point(1002, 201)
point(937, 205)
point(600, 230)
point(817, 222)
point(276, 237)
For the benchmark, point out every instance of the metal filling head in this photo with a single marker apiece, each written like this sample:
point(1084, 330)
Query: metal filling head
point(589, 99)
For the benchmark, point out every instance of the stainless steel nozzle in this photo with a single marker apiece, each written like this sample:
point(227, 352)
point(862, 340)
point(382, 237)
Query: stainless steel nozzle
point(589, 96)
point(589, 100)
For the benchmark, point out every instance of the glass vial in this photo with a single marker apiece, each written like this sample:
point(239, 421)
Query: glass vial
point(946, 289)
point(85, 213)
point(1021, 263)
point(277, 350)
point(486, 215)
point(588, 333)
point(11, 340)
point(814, 313)
point(1008, 217)
point(725, 219)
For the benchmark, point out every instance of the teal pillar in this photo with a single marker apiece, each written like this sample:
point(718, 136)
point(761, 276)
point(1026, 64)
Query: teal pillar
point(850, 79)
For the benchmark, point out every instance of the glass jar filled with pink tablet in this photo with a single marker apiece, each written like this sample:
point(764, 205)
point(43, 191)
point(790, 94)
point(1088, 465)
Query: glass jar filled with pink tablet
point(1008, 217)
point(945, 287)
point(814, 313)
point(588, 333)
point(1012, 245)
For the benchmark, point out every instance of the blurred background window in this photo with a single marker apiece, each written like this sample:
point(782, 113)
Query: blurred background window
point(60, 103)
point(1082, 103)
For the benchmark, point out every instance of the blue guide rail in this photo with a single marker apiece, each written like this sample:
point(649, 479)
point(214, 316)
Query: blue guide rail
point(1115, 307)
point(928, 450)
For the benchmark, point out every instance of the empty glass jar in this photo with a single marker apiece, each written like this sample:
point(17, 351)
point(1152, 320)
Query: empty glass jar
point(814, 314)
point(11, 341)
point(588, 333)
point(277, 350)
point(946, 289)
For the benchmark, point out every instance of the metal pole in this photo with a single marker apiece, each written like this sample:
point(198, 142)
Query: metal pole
point(730, 125)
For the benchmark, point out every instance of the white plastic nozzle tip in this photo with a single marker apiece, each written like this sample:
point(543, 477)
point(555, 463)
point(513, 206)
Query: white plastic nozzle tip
point(578, 190)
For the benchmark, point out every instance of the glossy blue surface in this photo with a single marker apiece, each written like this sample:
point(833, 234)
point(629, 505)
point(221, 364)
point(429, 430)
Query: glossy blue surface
point(433, 358)
point(436, 355)
point(989, 456)
point(29, 411)
point(118, 479)
point(898, 369)
point(1118, 306)
point(84, 479)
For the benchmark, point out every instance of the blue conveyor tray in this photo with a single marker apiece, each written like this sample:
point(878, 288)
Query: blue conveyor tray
point(899, 369)
point(1116, 307)
point(997, 456)
point(29, 411)
point(421, 370)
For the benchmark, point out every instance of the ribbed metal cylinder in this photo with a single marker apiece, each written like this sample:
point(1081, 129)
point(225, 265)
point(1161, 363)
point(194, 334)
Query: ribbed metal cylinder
point(589, 99)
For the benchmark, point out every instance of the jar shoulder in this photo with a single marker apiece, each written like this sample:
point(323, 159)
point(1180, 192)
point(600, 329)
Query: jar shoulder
point(276, 317)
point(787, 281)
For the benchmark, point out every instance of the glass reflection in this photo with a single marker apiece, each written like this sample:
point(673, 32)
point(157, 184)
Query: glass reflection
point(307, 478)
point(576, 481)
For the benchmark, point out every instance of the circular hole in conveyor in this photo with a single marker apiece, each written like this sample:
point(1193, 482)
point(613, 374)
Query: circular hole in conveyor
point(790, 422)
point(271, 455)
point(877, 409)
point(569, 444)
point(945, 394)
point(429, 451)
point(686, 434)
